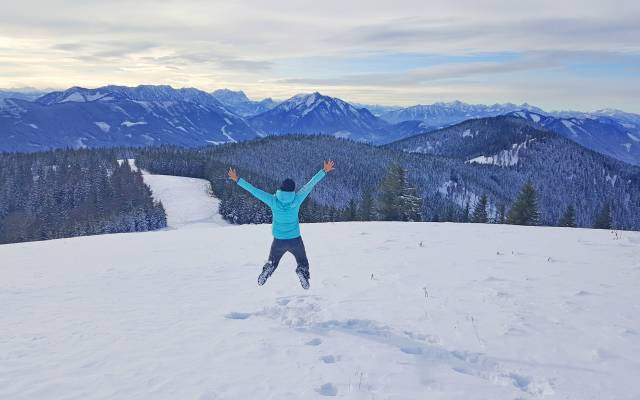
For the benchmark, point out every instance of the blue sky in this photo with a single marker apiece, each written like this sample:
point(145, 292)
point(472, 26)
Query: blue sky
point(581, 55)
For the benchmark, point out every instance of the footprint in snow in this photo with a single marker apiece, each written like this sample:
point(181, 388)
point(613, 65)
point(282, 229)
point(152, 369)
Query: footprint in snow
point(520, 381)
point(314, 342)
point(327, 390)
point(237, 315)
point(411, 350)
point(328, 359)
point(283, 301)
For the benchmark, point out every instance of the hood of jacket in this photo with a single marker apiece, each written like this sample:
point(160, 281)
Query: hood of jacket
point(286, 198)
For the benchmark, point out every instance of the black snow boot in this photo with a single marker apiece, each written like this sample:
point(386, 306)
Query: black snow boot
point(303, 274)
point(267, 270)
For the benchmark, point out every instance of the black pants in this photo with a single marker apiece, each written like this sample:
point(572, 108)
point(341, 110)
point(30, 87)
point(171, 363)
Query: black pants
point(293, 246)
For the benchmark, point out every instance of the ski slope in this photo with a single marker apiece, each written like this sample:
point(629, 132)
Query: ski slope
point(395, 311)
point(186, 200)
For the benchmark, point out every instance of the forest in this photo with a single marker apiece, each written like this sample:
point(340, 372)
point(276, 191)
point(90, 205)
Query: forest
point(66, 193)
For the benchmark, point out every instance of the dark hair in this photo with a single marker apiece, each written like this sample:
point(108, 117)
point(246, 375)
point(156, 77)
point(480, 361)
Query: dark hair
point(288, 185)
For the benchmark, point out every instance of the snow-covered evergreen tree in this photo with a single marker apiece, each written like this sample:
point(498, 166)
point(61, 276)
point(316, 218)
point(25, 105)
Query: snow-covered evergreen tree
point(366, 211)
point(603, 219)
point(568, 219)
point(525, 209)
point(398, 200)
point(351, 212)
point(480, 210)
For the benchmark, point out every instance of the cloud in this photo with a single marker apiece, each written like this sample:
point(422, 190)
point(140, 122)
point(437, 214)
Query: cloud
point(212, 59)
point(466, 35)
point(273, 49)
point(440, 72)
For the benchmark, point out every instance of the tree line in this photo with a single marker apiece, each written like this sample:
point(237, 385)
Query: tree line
point(525, 211)
point(395, 197)
point(398, 201)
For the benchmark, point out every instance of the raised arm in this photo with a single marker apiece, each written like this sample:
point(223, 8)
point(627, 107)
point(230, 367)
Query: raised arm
point(306, 189)
point(261, 195)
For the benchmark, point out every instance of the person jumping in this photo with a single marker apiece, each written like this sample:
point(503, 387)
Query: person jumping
point(285, 207)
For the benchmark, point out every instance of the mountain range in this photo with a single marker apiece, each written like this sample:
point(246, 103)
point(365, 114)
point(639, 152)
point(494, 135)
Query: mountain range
point(119, 116)
point(153, 115)
point(443, 114)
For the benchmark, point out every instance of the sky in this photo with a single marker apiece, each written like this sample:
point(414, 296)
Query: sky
point(579, 55)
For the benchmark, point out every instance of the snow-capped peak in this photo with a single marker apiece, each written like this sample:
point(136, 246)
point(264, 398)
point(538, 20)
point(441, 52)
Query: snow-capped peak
point(317, 113)
point(228, 96)
point(75, 94)
point(138, 93)
point(306, 102)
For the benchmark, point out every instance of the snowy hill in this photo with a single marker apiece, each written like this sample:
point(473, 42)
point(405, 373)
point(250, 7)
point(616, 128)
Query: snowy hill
point(496, 139)
point(118, 116)
point(557, 166)
point(395, 310)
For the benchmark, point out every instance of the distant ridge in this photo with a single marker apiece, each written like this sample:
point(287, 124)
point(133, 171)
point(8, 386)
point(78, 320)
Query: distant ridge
point(151, 115)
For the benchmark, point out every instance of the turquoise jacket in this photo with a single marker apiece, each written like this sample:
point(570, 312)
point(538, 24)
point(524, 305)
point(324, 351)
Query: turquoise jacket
point(285, 206)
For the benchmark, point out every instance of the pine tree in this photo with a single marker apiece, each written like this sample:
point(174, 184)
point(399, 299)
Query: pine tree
point(466, 213)
point(480, 210)
point(453, 214)
point(398, 200)
point(391, 192)
point(351, 212)
point(603, 220)
point(366, 211)
point(568, 219)
point(525, 208)
point(500, 214)
point(411, 204)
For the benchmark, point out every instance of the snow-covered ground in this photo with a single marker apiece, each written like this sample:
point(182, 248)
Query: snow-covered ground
point(186, 200)
point(395, 311)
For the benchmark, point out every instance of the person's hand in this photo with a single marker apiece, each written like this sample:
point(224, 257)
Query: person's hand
point(328, 166)
point(233, 175)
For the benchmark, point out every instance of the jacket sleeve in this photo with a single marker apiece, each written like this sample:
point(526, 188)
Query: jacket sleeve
point(261, 195)
point(306, 189)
